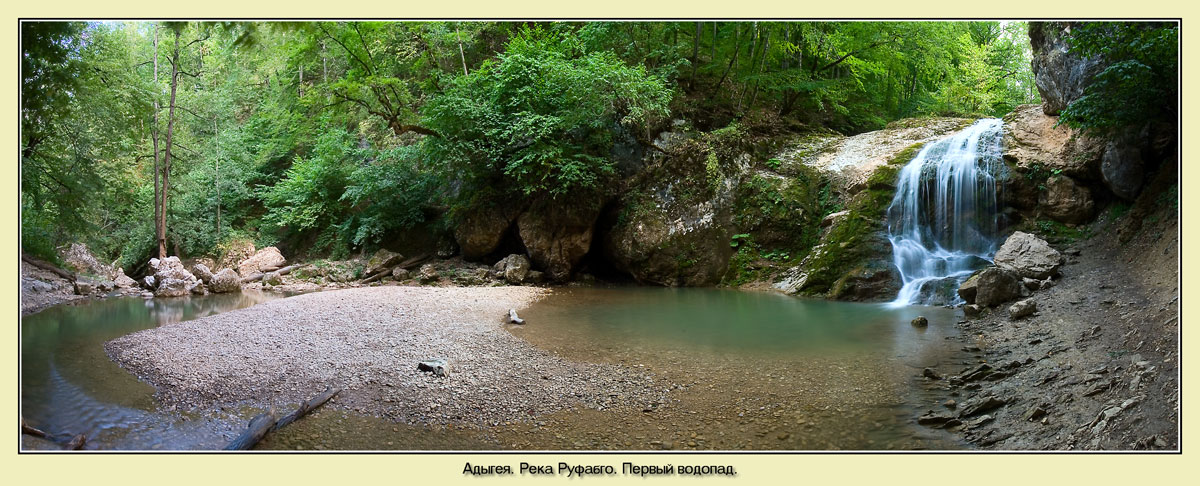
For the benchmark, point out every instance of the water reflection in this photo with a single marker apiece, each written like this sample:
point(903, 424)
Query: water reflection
point(68, 383)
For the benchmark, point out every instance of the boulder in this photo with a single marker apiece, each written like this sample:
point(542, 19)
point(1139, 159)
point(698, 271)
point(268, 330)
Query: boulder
point(995, 285)
point(202, 272)
point(1022, 308)
point(972, 310)
point(920, 321)
point(427, 273)
point(400, 274)
point(1060, 76)
point(236, 251)
point(122, 280)
point(1123, 168)
point(1031, 283)
point(558, 234)
point(482, 228)
point(149, 282)
point(1066, 201)
point(263, 260)
point(226, 280)
point(382, 260)
point(969, 289)
point(272, 278)
point(171, 279)
point(514, 268)
point(1027, 255)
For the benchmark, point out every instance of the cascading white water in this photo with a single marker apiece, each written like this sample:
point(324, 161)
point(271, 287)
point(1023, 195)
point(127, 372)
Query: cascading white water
point(943, 219)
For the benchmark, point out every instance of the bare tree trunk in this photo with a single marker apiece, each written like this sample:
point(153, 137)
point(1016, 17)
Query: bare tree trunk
point(461, 54)
point(166, 169)
point(217, 177)
point(159, 233)
point(324, 64)
point(301, 87)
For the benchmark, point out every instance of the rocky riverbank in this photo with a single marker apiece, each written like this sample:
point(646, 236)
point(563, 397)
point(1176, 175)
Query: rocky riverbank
point(1096, 367)
point(368, 341)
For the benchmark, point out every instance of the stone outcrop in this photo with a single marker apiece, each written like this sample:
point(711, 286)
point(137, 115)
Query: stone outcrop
point(171, 279)
point(1066, 200)
point(263, 260)
point(481, 229)
point(78, 258)
point(1028, 256)
point(1123, 167)
point(557, 234)
point(225, 281)
point(1060, 76)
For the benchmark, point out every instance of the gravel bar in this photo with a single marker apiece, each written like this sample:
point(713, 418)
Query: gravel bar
point(368, 341)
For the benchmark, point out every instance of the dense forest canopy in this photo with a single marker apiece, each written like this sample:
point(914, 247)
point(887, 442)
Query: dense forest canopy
point(150, 138)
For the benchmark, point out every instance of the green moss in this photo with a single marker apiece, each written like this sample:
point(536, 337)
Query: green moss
point(905, 156)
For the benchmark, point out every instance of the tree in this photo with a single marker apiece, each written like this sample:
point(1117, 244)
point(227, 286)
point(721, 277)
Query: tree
point(1139, 80)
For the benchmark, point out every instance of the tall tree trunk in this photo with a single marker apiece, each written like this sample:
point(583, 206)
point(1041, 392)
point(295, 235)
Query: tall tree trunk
point(159, 231)
point(300, 89)
point(166, 169)
point(217, 177)
point(737, 45)
point(461, 54)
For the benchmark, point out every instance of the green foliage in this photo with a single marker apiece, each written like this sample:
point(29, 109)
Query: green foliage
point(387, 195)
point(1139, 80)
point(539, 119)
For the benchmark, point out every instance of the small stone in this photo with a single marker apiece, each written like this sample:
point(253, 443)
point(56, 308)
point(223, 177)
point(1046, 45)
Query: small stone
point(920, 321)
point(951, 404)
point(1021, 309)
point(929, 373)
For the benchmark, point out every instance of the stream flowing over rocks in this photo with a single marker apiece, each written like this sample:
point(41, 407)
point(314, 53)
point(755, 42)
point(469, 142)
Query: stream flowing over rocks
point(369, 342)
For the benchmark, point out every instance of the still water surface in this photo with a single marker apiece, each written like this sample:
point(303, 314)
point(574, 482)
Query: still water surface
point(753, 370)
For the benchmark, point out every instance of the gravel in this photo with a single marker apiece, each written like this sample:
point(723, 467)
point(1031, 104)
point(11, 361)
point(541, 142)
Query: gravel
point(368, 341)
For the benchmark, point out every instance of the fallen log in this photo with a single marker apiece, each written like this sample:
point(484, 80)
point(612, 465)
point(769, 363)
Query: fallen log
point(69, 443)
point(407, 265)
point(267, 422)
point(254, 277)
point(48, 267)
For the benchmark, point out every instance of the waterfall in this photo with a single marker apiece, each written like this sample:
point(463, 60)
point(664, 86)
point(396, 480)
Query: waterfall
point(943, 219)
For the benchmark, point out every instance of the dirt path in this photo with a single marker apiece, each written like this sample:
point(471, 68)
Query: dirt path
point(1097, 366)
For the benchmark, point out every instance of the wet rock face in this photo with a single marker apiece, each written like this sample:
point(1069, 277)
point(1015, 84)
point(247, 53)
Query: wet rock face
point(1059, 75)
point(558, 234)
point(1123, 168)
point(171, 279)
point(263, 259)
point(1028, 256)
point(225, 281)
point(1066, 200)
point(482, 228)
point(662, 240)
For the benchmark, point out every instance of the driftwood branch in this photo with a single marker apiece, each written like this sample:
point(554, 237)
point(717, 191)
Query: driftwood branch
point(266, 422)
point(48, 267)
point(282, 271)
point(512, 317)
point(406, 264)
point(69, 442)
